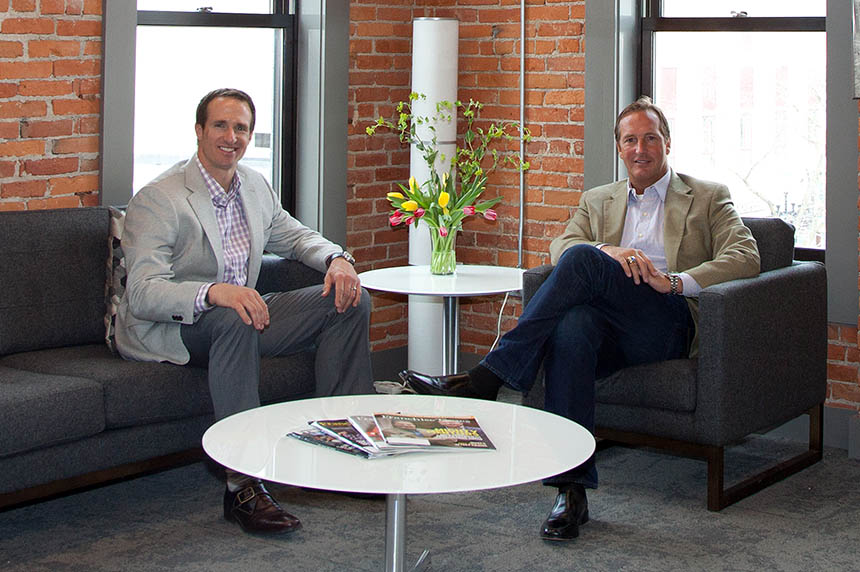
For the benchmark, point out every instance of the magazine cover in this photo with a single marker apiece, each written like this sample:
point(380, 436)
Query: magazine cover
point(319, 437)
point(366, 425)
point(342, 429)
point(432, 431)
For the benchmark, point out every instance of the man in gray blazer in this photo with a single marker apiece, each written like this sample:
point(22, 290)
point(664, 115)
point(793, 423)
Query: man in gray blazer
point(193, 243)
point(628, 270)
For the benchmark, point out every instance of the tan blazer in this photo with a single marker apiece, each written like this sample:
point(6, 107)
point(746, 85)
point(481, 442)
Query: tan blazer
point(172, 246)
point(703, 234)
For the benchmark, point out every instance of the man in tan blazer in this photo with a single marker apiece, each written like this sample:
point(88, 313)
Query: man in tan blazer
point(628, 270)
point(193, 243)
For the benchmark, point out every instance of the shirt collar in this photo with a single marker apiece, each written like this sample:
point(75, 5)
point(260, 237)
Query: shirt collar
point(220, 197)
point(661, 186)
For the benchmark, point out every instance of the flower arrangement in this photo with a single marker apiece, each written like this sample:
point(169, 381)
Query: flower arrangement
point(437, 201)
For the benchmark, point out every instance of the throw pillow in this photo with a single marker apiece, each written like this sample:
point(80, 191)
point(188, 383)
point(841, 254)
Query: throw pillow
point(115, 283)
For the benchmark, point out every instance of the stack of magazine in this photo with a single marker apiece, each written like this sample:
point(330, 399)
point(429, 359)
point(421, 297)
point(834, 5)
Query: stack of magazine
point(382, 434)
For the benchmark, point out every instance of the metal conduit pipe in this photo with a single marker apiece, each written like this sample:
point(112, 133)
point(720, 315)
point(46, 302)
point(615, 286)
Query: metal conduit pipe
point(522, 124)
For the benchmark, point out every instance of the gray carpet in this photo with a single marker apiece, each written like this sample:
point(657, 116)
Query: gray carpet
point(649, 514)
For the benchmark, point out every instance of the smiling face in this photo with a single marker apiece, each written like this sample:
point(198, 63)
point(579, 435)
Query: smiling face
point(224, 138)
point(643, 148)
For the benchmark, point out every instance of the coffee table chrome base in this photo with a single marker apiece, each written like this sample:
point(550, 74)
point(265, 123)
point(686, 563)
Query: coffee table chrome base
point(395, 537)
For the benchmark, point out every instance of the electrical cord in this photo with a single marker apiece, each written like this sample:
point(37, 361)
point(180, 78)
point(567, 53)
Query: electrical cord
point(499, 322)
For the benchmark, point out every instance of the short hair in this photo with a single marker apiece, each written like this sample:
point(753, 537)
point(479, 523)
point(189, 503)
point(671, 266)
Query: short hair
point(203, 106)
point(644, 103)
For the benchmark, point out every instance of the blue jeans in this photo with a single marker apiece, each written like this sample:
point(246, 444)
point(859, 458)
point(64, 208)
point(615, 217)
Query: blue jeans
point(586, 321)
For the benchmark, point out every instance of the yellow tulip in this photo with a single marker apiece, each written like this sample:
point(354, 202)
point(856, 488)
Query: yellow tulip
point(413, 185)
point(444, 179)
point(444, 198)
point(409, 206)
point(395, 196)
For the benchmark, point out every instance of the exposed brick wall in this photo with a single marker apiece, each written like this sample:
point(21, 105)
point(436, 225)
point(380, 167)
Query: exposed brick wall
point(489, 65)
point(50, 73)
point(843, 363)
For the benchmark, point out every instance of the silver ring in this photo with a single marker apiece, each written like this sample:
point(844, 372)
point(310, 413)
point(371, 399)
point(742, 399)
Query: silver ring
point(354, 288)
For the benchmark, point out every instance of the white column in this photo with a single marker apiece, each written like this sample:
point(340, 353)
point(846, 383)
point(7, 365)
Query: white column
point(434, 74)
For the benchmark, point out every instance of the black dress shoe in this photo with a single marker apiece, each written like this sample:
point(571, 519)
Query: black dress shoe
point(257, 512)
point(457, 385)
point(569, 511)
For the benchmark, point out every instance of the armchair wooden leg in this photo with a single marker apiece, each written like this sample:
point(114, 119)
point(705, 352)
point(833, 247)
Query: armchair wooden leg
point(718, 497)
point(715, 456)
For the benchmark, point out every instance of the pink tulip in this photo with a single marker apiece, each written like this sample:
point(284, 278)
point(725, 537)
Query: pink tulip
point(443, 231)
point(409, 220)
point(469, 211)
point(490, 214)
point(419, 212)
point(395, 219)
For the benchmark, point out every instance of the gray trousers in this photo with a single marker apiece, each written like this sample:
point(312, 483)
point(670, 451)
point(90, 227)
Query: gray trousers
point(299, 320)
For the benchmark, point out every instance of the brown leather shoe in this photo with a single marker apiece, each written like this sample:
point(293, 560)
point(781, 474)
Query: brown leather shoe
point(257, 512)
point(457, 385)
point(568, 512)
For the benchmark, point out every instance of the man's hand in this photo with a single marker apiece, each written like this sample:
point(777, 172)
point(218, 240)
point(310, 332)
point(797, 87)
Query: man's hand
point(347, 287)
point(247, 302)
point(638, 266)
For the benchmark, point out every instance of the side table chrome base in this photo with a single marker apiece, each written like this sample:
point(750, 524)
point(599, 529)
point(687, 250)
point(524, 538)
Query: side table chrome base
point(395, 537)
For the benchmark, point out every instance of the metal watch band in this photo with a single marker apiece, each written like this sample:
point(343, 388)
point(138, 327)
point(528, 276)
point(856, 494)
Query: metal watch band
point(673, 284)
point(344, 254)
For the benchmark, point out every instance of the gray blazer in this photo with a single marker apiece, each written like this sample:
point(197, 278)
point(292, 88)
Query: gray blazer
point(172, 246)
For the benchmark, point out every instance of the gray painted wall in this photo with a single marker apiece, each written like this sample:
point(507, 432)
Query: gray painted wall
point(841, 254)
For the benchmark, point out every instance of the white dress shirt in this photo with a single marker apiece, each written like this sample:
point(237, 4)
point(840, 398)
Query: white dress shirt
point(643, 227)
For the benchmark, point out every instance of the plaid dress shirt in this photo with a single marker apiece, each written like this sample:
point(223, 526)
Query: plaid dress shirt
point(235, 234)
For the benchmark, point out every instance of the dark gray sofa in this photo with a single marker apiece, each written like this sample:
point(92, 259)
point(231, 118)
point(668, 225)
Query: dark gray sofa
point(762, 362)
point(72, 413)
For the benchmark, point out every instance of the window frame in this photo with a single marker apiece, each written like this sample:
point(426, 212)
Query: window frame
point(653, 22)
point(283, 178)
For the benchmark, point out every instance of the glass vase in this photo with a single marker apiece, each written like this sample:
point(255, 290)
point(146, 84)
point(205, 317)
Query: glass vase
point(443, 258)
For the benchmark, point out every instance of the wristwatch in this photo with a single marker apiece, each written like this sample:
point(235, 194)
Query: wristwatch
point(674, 279)
point(344, 254)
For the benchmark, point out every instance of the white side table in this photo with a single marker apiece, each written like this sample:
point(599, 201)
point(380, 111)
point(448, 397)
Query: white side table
point(467, 280)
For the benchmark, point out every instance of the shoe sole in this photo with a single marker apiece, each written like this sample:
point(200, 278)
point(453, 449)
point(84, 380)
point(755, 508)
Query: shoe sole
point(558, 538)
point(273, 532)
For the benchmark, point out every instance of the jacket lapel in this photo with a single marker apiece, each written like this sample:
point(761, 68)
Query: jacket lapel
point(614, 211)
point(201, 204)
point(679, 198)
point(252, 207)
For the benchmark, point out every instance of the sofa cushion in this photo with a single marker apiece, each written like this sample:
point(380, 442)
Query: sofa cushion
point(136, 393)
point(52, 278)
point(115, 275)
point(38, 410)
point(664, 385)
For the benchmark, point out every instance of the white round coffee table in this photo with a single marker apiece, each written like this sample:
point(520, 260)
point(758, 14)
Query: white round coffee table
point(530, 445)
point(467, 280)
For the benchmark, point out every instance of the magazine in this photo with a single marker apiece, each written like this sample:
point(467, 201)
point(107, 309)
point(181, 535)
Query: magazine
point(431, 432)
point(320, 437)
point(366, 425)
point(344, 430)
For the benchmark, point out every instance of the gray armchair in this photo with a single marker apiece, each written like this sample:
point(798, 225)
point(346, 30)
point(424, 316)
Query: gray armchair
point(761, 362)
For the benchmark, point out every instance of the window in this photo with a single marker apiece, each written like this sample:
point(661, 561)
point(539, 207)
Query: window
point(744, 93)
point(184, 51)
